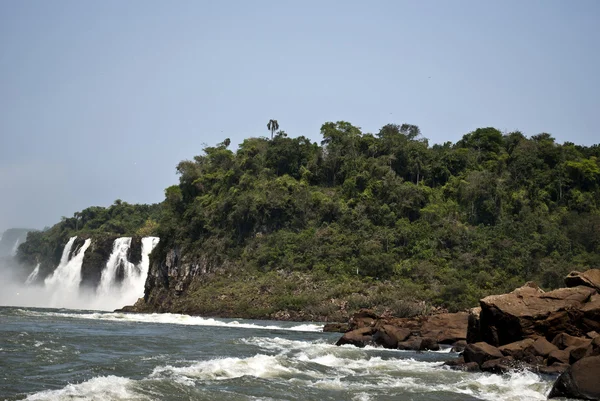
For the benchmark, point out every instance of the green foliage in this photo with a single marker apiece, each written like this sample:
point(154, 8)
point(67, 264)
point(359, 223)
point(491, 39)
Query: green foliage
point(455, 221)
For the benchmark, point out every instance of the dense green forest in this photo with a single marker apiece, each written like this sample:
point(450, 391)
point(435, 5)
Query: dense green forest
point(446, 223)
point(119, 219)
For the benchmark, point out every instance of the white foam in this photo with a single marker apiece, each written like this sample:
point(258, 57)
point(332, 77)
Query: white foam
point(263, 366)
point(173, 318)
point(98, 388)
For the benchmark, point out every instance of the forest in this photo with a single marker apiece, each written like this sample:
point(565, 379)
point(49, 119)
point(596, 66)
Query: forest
point(443, 223)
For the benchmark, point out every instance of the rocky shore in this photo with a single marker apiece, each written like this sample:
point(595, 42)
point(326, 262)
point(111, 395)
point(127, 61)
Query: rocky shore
point(555, 332)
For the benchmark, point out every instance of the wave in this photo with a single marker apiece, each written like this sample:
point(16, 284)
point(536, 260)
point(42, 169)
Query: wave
point(98, 388)
point(172, 318)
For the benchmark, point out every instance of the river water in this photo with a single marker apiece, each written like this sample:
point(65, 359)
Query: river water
point(59, 354)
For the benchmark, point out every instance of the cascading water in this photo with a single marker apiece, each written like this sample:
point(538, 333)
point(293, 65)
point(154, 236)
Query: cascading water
point(113, 293)
point(33, 276)
point(63, 284)
point(121, 282)
point(15, 247)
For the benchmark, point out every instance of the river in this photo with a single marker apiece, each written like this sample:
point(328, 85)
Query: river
point(60, 354)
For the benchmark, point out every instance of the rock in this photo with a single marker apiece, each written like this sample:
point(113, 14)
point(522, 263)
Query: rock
point(579, 352)
point(473, 326)
point(517, 347)
point(589, 278)
point(335, 328)
point(560, 356)
point(543, 347)
point(413, 344)
point(500, 365)
point(446, 328)
point(555, 368)
point(592, 334)
point(563, 341)
point(363, 318)
point(389, 336)
point(429, 344)
point(460, 364)
point(528, 312)
point(481, 352)
point(359, 337)
point(458, 346)
point(580, 380)
point(591, 314)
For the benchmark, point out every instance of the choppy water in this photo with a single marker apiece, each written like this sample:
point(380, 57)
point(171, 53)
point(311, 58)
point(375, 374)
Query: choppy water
point(48, 354)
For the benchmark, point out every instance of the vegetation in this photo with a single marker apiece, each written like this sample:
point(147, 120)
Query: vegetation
point(448, 223)
point(119, 219)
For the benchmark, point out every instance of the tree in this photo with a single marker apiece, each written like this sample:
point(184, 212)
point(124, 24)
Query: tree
point(272, 126)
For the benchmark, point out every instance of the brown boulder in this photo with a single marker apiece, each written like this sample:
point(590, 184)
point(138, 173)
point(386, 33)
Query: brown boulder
point(362, 318)
point(359, 337)
point(580, 380)
point(389, 336)
point(446, 328)
point(560, 356)
point(543, 347)
point(413, 344)
point(473, 326)
point(516, 348)
point(500, 365)
point(458, 346)
point(460, 364)
point(591, 315)
point(528, 312)
point(555, 368)
point(429, 344)
point(481, 352)
point(589, 278)
point(335, 328)
point(563, 341)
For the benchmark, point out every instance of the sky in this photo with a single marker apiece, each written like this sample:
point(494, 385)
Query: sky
point(99, 100)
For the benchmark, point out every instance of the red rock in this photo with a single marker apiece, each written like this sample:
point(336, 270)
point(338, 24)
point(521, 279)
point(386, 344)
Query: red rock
point(389, 336)
point(580, 380)
point(543, 347)
point(516, 347)
point(359, 337)
point(446, 328)
point(563, 341)
point(481, 352)
point(589, 278)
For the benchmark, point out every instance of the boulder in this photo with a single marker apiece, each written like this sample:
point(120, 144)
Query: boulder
point(481, 352)
point(563, 341)
point(516, 348)
point(389, 336)
point(559, 356)
point(580, 380)
point(446, 328)
point(555, 368)
point(335, 328)
point(460, 364)
point(591, 315)
point(413, 344)
point(359, 337)
point(589, 278)
point(429, 344)
point(458, 346)
point(473, 326)
point(500, 365)
point(528, 312)
point(543, 347)
point(363, 318)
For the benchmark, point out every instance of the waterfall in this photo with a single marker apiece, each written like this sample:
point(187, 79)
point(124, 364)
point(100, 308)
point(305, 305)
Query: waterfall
point(64, 282)
point(15, 247)
point(33, 275)
point(114, 293)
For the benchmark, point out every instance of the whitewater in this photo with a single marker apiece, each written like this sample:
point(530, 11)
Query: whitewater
point(59, 354)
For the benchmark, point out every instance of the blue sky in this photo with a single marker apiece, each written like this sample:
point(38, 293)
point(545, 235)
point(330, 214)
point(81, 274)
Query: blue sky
point(101, 100)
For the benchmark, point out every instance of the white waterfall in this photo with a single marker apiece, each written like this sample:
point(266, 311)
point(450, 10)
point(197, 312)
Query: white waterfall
point(112, 293)
point(63, 284)
point(33, 275)
point(15, 247)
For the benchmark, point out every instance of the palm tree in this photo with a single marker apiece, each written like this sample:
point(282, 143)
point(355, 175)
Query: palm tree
point(272, 126)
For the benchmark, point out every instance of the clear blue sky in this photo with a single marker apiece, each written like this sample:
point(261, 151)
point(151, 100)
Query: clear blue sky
point(100, 100)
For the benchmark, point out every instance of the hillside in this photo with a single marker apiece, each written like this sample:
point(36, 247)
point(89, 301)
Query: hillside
point(287, 228)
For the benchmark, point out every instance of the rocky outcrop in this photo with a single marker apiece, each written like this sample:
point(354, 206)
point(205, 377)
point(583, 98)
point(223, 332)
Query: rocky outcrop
point(581, 380)
point(529, 312)
point(589, 278)
point(418, 334)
